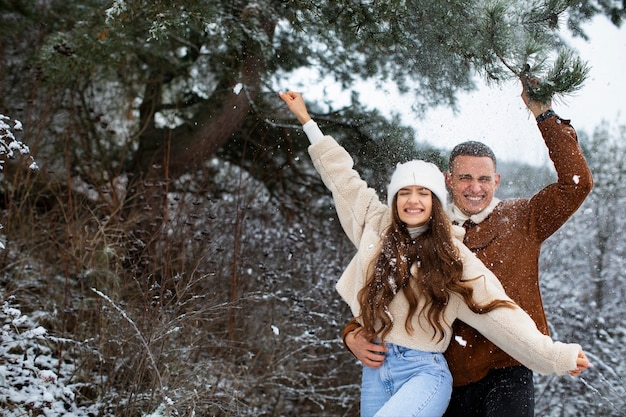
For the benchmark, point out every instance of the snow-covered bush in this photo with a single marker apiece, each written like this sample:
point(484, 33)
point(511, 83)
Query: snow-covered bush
point(9, 145)
point(33, 378)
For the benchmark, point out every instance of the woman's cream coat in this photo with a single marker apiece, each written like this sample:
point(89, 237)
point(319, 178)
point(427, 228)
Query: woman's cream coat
point(364, 219)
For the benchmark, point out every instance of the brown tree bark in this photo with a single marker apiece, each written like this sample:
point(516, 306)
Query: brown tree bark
point(187, 147)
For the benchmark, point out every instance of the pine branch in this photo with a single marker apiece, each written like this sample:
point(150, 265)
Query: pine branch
point(538, 42)
point(566, 76)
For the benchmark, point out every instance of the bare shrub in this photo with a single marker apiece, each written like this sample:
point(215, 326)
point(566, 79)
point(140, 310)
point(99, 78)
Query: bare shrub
point(213, 304)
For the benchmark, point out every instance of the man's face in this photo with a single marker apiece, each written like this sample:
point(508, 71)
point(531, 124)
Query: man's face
point(473, 181)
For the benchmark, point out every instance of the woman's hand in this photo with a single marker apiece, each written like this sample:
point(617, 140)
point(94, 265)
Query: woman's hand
point(582, 363)
point(295, 102)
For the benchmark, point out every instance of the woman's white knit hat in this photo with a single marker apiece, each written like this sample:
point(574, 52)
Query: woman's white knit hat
point(420, 173)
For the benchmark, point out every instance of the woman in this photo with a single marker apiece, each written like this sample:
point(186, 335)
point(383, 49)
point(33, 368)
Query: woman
point(412, 277)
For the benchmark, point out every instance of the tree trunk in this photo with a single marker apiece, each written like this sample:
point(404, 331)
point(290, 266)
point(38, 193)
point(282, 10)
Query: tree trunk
point(187, 147)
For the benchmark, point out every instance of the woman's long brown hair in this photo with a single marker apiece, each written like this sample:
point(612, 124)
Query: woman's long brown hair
point(439, 274)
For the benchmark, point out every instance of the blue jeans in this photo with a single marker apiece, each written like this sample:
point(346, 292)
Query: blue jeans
point(410, 383)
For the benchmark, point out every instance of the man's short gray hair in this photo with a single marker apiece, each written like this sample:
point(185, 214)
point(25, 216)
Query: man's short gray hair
point(471, 148)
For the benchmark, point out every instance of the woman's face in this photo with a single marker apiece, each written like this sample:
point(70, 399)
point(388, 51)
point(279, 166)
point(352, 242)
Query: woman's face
point(414, 205)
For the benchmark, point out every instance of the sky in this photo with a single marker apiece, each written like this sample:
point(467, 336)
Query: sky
point(497, 116)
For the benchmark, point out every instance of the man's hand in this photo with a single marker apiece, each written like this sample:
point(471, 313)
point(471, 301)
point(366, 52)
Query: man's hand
point(370, 354)
point(535, 107)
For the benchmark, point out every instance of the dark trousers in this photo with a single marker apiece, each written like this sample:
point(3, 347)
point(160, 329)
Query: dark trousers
point(506, 392)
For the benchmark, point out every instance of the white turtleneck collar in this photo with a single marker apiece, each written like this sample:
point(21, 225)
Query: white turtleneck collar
point(456, 215)
point(416, 231)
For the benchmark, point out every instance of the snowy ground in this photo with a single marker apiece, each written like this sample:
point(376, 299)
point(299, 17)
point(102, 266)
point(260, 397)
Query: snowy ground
point(32, 380)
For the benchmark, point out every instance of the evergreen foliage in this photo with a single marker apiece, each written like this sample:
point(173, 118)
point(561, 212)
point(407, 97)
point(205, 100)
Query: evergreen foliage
point(126, 85)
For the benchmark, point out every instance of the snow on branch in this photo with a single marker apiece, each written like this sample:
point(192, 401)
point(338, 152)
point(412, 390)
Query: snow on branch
point(9, 145)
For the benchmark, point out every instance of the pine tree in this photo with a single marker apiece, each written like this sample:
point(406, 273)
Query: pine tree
point(194, 78)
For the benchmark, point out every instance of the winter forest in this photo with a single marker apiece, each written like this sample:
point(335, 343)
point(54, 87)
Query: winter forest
point(167, 248)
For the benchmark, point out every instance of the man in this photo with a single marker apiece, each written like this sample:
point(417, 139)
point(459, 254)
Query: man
point(506, 236)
